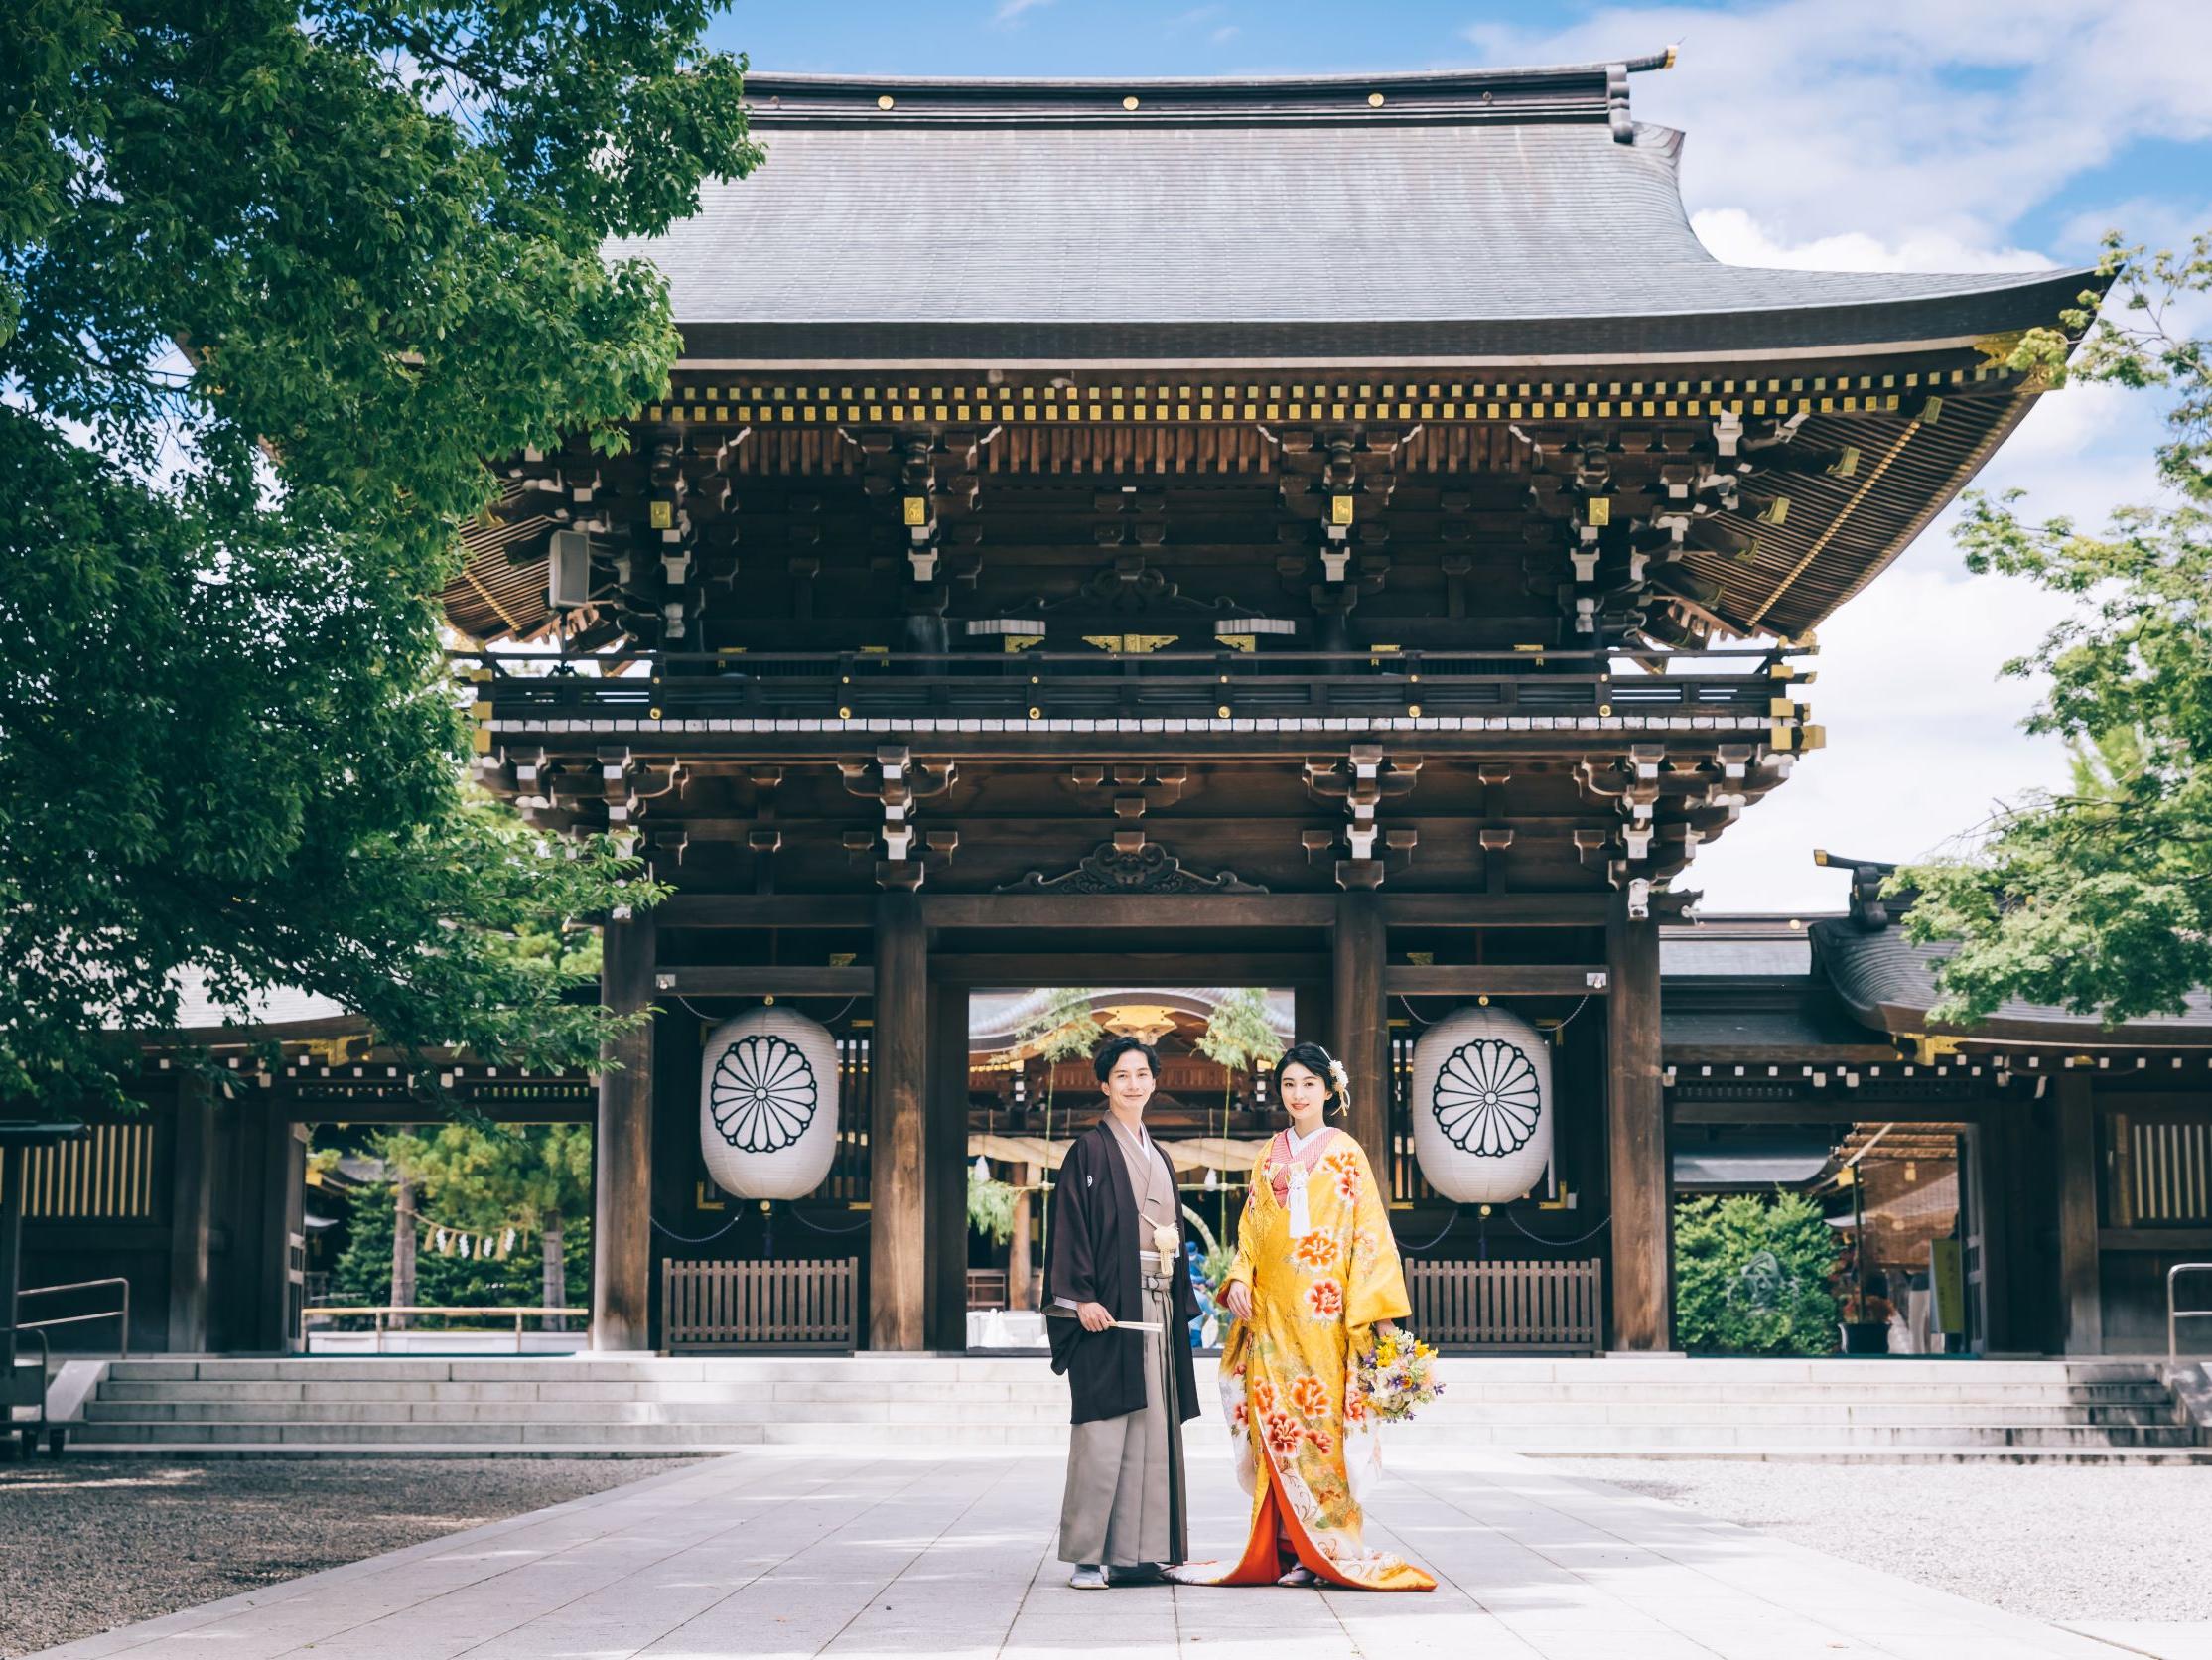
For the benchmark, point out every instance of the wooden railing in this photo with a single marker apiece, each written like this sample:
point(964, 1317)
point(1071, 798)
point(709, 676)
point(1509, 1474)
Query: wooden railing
point(760, 1305)
point(1048, 684)
point(1508, 1306)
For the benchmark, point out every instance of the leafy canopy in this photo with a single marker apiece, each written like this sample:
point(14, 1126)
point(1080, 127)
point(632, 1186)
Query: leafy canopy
point(529, 1177)
point(2100, 897)
point(275, 280)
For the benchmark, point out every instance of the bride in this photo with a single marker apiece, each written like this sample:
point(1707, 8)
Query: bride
point(1315, 1281)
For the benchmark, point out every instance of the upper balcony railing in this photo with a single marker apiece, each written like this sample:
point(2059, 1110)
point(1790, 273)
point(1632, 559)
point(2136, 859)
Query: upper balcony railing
point(1042, 684)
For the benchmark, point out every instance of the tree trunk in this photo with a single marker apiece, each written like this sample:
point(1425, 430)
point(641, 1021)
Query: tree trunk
point(403, 1250)
point(556, 1273)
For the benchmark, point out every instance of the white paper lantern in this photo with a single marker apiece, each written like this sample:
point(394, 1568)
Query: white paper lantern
point(767, 1104)
point(1482, 1106)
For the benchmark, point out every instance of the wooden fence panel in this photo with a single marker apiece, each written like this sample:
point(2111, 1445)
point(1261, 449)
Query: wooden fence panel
point(783, 1305)
point(1505, 1306)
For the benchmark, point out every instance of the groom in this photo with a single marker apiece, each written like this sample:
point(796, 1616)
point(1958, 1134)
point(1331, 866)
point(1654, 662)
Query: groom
point(1115, 1254)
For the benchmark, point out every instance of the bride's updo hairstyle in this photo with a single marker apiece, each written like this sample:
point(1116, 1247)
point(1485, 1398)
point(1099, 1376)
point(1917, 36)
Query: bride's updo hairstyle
point(1323, 1066)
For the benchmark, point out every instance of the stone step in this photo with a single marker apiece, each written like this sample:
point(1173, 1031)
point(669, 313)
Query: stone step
point(211, 1452)
point(2095, 1456)
point(726, 1410)
point(1515, 1436)
point(975, 1432)
point(740, 1407)
point(1041, 1385)
point(1637, 1373)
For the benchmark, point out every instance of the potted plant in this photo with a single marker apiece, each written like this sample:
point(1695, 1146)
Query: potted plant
point(1866, 1322)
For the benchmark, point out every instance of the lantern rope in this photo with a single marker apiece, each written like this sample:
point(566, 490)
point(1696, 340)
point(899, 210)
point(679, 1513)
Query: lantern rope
point(667, 1232)
point(855, 1227)
point(1417, 1250)
point(1576, 1240)
point(1405, 1004)
point(717, 1019)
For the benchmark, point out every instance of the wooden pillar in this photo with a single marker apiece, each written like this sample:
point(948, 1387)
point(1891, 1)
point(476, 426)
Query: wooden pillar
point(899, 1085)
point(1018, 1270)
point(623, 1147)
point(1312, 1017)
point(192, 1136)
point(272, 1196)
point(1636, 1125)
point(1362, 1032)
point(945, 1153)
point(12, 1161)
point(2080, 1295)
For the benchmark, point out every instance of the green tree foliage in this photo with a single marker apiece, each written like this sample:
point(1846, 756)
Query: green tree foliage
point(1237, 1033)
point(1753, 1276)
point(537, 1178)
point(1063, 1030)
point(2099, 898)
point(990, 1207)
point(277, 280)
point(1237, 1039)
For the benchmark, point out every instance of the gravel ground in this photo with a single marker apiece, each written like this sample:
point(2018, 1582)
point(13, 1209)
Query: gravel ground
point(90, 1543)
point(2057, 1543)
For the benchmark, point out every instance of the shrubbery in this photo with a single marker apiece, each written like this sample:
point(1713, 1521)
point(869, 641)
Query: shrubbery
point(1753, 1276)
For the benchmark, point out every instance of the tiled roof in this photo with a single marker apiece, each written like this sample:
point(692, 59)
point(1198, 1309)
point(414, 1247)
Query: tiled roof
point(1735, 1032)
point(1256, 220)
point(1686, 951)
point(199, 1011)
point(1890, 983)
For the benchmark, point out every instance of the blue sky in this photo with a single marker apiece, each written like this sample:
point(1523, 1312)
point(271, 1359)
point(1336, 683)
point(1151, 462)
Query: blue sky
point(1937, 135)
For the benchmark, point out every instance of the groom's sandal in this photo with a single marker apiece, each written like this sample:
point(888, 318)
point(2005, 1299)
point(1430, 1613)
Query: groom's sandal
point(1138, 1574)
point(1088, 1576)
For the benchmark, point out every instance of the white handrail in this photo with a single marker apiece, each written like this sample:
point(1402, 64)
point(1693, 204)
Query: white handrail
point(2173, 1315)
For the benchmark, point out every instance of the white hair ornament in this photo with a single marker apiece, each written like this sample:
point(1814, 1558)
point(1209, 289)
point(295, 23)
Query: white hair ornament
point(1343, 1080)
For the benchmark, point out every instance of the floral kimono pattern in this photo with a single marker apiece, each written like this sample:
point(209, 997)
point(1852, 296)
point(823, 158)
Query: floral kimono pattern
point(1306, 1446)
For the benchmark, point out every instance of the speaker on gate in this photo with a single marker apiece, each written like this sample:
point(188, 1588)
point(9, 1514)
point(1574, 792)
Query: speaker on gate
point(767, 1104)
point(568, 570)
point(1482, 1106)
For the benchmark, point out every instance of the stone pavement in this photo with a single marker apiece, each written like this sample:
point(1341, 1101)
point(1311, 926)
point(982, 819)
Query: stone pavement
point(791, 1553)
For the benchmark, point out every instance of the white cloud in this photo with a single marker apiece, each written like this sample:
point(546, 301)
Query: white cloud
point(1733, 235)
point(1942, 118)
point(1923, 738)
point(1010, 10)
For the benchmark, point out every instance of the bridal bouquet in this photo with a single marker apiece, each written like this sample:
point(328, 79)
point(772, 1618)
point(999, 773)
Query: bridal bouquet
point(1397, 1376)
